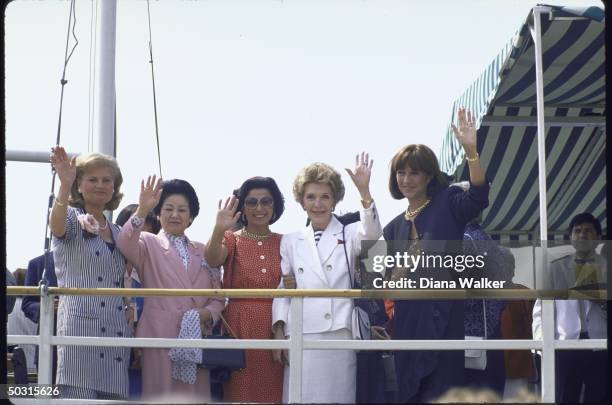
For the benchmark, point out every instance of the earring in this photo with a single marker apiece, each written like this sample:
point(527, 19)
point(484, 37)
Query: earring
point(243, 218)
point(273, 218)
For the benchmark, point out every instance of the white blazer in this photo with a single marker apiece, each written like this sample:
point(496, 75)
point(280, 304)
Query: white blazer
point(572, 316)
point(324, 266)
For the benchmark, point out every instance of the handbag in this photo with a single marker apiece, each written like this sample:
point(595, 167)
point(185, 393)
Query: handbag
point(221, 362)
point(363, 308)
point(361, 324)
point(476, 359)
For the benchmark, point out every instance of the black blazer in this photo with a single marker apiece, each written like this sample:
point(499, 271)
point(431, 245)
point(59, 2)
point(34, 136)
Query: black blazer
point(442, 220)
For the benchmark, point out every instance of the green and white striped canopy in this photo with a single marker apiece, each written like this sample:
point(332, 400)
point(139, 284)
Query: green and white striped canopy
point(504, 101)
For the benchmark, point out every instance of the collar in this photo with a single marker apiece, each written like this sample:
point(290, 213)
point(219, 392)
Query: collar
point(174, 238)
point(334, 227)
point(165, 240)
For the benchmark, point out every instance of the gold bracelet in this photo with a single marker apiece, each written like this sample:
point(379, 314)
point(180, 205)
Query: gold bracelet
point(471, 160)
point(59, 203)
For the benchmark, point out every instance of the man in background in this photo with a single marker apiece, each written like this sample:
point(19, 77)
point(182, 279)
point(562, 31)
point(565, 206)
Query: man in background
point(576, 370)
point(31, 303)
point(19, 324)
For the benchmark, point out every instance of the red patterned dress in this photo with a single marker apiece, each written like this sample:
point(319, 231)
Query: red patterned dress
point(253, 264)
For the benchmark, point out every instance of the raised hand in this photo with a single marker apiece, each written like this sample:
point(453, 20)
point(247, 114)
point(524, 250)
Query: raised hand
point(361, 174)
point(150, 193)
point(227, 216)
point(466, 133)
point(64, 166)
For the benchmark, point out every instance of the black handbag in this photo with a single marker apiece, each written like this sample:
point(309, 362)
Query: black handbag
point(221, 362)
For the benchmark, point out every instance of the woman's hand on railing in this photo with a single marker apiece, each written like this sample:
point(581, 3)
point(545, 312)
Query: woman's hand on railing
point(289, 282)
point(280, 356)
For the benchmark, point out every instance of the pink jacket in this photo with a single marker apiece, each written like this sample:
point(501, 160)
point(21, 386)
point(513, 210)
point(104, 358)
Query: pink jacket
point(159, 266)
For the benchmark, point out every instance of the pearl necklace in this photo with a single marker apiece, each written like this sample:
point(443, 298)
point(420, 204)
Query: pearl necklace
point(255, 236)
point(410, 214)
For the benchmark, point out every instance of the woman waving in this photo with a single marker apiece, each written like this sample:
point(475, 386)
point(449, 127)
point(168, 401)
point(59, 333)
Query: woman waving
point(317, 257)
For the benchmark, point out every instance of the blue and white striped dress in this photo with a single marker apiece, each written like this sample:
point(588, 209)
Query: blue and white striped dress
point(84, 260)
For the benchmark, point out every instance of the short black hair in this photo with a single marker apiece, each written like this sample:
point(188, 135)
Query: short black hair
point(129, 210)
point(260, 182)
point(585, 218)
point(178, 186)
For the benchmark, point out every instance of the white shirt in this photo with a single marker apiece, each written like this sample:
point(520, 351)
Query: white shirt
point(573, 317)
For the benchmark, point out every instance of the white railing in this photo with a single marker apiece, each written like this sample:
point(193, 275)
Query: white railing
point(295, 344)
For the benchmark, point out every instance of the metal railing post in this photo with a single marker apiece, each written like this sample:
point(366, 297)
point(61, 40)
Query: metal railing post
point(296, 340)
point(548, 350)
point(45, 350)
point(548, 319)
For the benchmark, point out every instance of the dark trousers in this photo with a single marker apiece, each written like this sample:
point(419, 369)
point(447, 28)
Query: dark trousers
point(447, 375)
point(573, 368)
point(20, 367)
point(135, 387)
point(371, 376)
point(492, 377)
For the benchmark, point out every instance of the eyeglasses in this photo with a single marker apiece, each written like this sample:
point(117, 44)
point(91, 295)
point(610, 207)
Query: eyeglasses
point(265, 202)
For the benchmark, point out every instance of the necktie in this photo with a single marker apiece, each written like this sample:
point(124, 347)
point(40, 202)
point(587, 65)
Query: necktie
point(586, 272)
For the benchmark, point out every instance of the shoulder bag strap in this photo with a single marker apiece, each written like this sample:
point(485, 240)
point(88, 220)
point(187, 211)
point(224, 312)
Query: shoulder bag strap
point(348, 264)
point(229, 329)
point(484, 308)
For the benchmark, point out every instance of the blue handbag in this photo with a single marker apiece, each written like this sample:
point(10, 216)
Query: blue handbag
point(221, 362)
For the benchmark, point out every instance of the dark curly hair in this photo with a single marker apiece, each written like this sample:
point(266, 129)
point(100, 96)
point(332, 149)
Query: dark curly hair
point(129, 210)
point(260, 182)
point(178, 186)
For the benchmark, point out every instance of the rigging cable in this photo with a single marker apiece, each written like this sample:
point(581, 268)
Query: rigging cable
point(63, 81)
point(154, 96)
point(93, 40)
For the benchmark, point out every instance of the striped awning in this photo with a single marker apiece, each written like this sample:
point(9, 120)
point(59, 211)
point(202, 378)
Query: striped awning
point(504, 100)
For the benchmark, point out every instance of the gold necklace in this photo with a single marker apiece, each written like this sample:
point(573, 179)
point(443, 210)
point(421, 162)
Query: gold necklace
point(255, 236)
point(410, 214)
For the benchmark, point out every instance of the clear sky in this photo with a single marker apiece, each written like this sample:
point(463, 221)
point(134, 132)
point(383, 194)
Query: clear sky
point(244, 88)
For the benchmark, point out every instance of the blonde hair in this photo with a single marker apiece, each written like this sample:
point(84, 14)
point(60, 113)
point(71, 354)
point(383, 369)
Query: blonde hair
point(468, 395)
point(484, 395)
point(91, 161)
point(318, 173)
